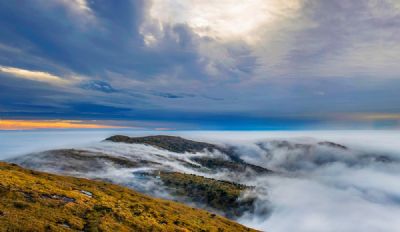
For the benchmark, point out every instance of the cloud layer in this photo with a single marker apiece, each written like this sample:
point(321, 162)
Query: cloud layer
point(317, 185)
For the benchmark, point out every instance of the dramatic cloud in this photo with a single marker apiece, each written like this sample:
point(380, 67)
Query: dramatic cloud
point(258, 61)
point(223, 20)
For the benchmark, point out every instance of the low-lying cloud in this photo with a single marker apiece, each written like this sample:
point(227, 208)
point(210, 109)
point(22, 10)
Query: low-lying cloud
point(319, 184)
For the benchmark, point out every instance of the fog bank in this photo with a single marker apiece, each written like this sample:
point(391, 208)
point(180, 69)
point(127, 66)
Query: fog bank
point(323, 181)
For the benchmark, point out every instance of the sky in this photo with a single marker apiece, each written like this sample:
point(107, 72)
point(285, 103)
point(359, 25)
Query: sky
point(195, 64)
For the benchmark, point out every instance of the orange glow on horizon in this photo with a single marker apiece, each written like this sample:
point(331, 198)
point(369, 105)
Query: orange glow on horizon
point(370, 116)
point(50, 124)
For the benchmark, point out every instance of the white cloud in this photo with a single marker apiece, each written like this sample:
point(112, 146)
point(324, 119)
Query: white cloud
point(223, 20)
point(38, 76)
point(78, 6)
point(78, 10)
point(286, 38)
point(221, 27)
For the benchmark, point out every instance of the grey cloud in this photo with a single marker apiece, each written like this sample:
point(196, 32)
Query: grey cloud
point(97, 85)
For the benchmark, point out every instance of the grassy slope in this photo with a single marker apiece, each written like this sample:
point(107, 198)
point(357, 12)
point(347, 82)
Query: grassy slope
point(220, 195)
point(36, 201)
point(240, 167)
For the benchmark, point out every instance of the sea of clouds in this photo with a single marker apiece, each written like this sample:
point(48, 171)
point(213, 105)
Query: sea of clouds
point(315, 187)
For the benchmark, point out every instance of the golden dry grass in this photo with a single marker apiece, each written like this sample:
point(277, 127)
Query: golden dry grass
point(37, 201)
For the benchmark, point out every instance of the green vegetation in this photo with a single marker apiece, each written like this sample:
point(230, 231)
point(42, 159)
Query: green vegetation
point(217, 163)
point(36, 201)
point(170, 143)
point(218, 194)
